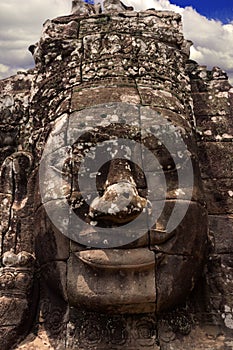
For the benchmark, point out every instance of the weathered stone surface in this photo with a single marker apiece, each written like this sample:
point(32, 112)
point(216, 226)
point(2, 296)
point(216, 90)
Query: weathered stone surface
point(172, 285)
point(14, 106)
point(33, 342)
point(188, 237)
point(222, 228)
point(216, 159)
point(53, 309)
point(103, 94)
point(90, 330)
point(219, 290)
point(160, 99)
point(227, 272)
point(15, 173)
point(200, 338)
point(219, 195)
point(157, 174)
point(107, 281)
point(50, 244)
point(16, 296)
point(203, 80)
point(205, 106)
point(100, 77)
point(215, 128)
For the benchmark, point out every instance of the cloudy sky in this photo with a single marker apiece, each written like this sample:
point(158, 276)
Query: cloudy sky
point(208, 23)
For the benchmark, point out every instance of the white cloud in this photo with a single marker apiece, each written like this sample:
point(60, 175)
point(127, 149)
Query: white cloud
point(213, 41)
point(3, 68)
point(20, 26)
point(21, 23)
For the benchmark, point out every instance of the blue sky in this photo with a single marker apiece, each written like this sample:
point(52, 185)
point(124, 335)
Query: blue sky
point(208, 24)
point(217, 9)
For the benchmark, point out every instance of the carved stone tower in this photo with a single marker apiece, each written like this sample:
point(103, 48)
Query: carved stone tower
point(76, 271)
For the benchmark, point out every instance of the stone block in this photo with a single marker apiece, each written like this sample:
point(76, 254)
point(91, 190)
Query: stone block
point(211, 104)
point(15, 320)
point(219, 196)
point(222, 228)
point(160, 99)
point(189, 234)
point(175, 279)
point(105, 23)
point(216, 159)
point(81, 97)
point(215, 128)
point(227, 286)
point(50, 243)
point(53, 280)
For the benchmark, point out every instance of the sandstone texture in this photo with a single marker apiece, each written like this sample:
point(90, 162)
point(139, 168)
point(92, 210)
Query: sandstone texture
point(122, 79)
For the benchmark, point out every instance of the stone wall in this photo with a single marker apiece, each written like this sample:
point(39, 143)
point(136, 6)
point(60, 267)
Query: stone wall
point(213, 103)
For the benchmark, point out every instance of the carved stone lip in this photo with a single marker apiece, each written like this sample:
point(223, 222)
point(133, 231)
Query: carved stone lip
point(138, 258)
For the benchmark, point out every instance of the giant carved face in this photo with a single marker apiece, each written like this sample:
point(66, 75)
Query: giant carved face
point(121, 185)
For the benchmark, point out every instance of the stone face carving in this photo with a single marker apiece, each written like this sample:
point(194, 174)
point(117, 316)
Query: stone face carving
point(85, 166)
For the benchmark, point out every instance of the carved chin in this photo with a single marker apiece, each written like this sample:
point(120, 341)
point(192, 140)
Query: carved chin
point(113, 280)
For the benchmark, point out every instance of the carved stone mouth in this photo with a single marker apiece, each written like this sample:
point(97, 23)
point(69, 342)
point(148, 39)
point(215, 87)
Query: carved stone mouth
point(138, 258)
point(113, 280)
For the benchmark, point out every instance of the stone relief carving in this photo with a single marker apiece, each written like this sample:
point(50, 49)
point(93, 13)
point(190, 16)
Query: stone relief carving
point(119, 82)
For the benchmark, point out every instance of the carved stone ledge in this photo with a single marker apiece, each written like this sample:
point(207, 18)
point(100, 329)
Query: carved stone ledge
point(16, 282)
point(16, 277)
point(22, 259)
point(92, 331)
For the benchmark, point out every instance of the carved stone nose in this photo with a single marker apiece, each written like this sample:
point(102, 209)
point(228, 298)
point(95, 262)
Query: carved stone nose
point(120, 203)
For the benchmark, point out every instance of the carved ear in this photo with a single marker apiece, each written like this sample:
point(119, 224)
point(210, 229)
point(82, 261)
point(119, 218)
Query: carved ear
point(14, 213)
point(17, 270)
point(14, 175)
